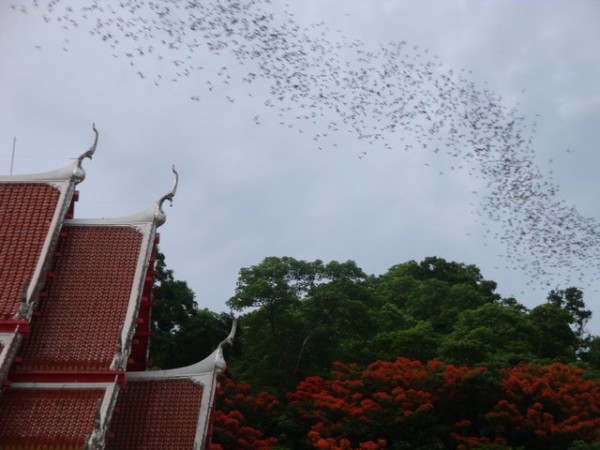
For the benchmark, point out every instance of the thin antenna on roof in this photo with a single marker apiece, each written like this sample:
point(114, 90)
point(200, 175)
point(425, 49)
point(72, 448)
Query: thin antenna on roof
point(12, 159)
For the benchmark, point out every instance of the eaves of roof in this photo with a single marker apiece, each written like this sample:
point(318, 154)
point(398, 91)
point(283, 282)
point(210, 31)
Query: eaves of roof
point(35, 416)
point(168, 409)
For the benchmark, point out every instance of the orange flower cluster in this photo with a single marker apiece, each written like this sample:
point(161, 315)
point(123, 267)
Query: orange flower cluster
point(443, 405)
point(553, 403)
point(236, 407)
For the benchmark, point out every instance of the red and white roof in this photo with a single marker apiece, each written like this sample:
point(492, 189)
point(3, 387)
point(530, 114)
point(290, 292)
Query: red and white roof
point(75, 323)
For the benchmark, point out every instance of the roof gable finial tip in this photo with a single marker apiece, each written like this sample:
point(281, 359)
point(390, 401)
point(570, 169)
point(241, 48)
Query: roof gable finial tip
point(160, 214)
point(169, 195)
point(78, 172)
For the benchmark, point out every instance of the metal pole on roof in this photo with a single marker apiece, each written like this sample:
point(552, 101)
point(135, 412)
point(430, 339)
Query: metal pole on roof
point(12, 159)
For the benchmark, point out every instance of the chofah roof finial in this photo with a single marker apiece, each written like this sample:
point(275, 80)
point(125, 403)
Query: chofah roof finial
point(78, 172)
point(160, 216)
point(220, 363)
point(229, 339)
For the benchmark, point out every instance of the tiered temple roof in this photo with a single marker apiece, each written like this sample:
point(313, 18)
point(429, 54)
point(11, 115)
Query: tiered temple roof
point(48, 417)
point(75, 310)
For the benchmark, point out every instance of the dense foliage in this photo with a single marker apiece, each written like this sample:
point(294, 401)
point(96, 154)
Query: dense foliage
point(426, 355)
point(302, 316)
point(236, 409)
point(406, 404)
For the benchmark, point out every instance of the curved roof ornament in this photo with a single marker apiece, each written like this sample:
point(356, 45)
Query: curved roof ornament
point(229, 339)
point(78, 172)
point(220, 363)
point(159, 216)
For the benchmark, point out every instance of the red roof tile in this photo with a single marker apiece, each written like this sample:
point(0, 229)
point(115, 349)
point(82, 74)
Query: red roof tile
point(156, 415)
point(46, 418)
point(26, 211)
point(87, 300)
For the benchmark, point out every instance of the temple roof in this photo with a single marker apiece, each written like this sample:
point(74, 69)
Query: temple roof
point(23, 237)
point(156, 414)
point(33, 418)
point(87, 299)
point(75, 323)
point(172, 406)
point(32, 208)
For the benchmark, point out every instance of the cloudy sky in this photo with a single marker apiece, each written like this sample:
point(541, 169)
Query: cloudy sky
point(253, 185)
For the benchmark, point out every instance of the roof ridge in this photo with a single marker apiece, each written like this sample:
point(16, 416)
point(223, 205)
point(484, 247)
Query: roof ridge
point(215, 362)
point(153, 214)
point(73, 172)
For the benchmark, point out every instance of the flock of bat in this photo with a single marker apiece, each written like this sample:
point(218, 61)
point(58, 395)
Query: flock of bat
point(392, 95)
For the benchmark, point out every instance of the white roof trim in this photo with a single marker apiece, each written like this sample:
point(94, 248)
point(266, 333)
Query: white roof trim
point(63, 174)
point(205, 367)
point(154, 213)
point(10, 344)
point(213, 362)
point(72, 172)
point(30, 385)
point(97, 439)
point(146, 216)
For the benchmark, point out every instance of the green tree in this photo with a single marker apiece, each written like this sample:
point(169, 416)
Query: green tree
point(571, 300)
point(592, 355)
point(435, 290)
point(183, 334)
point(555, 340)
point(491, 334)
point(419, 342)
point(303, 314)
point(175, 301)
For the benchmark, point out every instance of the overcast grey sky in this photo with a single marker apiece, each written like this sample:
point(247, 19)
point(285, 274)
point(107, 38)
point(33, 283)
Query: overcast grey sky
point(252, 188)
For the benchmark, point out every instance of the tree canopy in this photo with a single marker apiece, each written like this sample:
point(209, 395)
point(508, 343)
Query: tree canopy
point(427, 355)
point(300, 316)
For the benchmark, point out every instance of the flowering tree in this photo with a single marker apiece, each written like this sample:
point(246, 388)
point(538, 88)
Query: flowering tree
point(240, 417)
point(547, 406)
point(407, 404)
point(389, 403)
